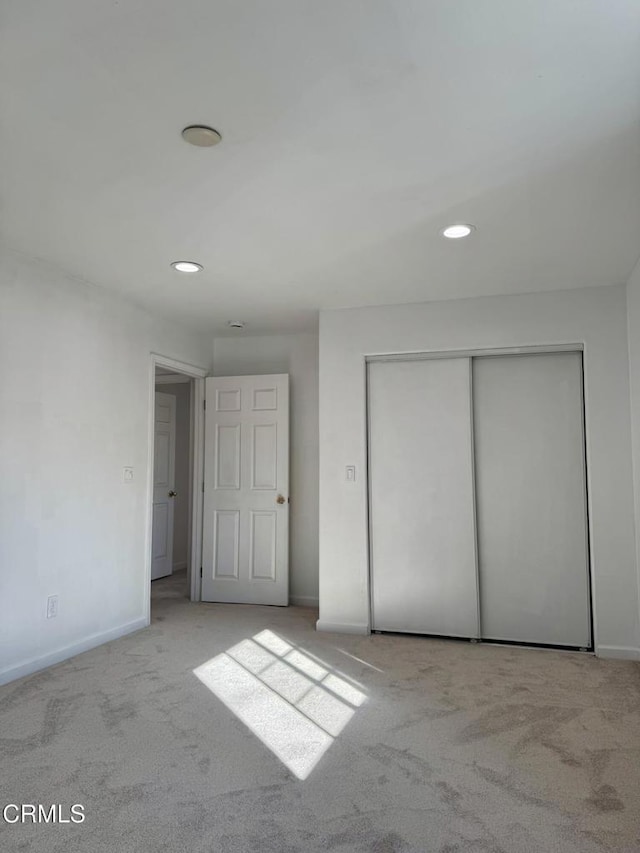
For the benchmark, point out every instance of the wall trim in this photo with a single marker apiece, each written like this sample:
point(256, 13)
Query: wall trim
point(36, 664)
point(342, 627)
point(177, 567)
point(618, 652)
point(304, 601)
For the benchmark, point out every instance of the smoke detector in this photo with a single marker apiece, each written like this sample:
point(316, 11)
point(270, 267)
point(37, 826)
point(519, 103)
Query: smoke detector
point(235, 324)
point(201, 135)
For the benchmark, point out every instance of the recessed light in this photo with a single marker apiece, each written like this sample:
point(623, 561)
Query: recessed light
point(186, 266)
point(200, 135)
point(235, 324)
point(455, 232)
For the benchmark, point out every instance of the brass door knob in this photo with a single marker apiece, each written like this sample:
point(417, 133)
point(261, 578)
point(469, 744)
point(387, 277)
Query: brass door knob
point(173, 494)
point(281, 499)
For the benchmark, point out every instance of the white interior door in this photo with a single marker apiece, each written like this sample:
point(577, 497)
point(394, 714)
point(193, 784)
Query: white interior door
point(530, 476)
point(423, 555)
point(246, 500)
point(164, 451)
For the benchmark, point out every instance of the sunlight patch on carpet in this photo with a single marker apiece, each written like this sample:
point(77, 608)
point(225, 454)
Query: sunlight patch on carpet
point(294, 703)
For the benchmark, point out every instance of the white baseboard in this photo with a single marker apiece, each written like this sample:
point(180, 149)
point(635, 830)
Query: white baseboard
point(177, 567)
point(618, 652)
point(35, 664)
point(304, 601)
point(341, 627)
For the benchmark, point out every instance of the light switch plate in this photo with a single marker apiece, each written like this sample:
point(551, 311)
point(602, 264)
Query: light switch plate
point(350, 473)
point(127, 475)
point(52, 606)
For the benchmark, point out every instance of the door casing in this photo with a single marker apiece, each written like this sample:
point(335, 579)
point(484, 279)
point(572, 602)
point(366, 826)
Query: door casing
point(197, 374)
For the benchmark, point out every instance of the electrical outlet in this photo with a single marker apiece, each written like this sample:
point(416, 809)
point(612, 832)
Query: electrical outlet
point(52, 606)
point(127, 475)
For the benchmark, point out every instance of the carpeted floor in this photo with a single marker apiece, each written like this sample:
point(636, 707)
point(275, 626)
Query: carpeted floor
point(380, 744)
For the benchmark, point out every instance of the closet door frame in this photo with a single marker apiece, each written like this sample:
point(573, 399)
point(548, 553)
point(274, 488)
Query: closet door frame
point(471, 354)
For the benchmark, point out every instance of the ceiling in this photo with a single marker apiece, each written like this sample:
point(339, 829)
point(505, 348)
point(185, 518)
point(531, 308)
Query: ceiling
point(352, 132)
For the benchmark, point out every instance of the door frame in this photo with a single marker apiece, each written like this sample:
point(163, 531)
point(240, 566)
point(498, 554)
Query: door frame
point(196, 458)
point(478, 353)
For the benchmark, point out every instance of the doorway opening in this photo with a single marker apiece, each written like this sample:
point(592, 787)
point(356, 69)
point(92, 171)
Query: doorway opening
point(174, 546)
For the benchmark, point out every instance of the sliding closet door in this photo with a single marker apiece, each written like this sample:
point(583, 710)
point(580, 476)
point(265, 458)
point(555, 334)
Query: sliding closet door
point(424, 575)
point(530, 480)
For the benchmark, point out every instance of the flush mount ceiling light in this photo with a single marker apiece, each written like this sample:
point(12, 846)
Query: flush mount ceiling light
point(200, 135)
point(455, 232)
point(186, 266)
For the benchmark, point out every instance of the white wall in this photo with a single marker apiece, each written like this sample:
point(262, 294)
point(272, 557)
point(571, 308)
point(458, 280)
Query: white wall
point(296, 355)
point(181, 528)
point(594, 317)
point(74, 396)
point(633, 323)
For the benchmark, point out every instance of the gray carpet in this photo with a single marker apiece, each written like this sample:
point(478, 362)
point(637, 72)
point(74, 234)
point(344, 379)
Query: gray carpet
point(373, 744)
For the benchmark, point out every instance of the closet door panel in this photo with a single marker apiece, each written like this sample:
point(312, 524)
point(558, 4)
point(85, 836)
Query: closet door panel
point(423, 558)
point(531, 508)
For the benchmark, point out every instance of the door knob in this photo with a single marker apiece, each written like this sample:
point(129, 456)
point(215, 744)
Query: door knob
point(281, 499)
point(173, 494)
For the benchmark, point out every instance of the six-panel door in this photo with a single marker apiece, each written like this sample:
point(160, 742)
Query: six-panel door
point(246, 508)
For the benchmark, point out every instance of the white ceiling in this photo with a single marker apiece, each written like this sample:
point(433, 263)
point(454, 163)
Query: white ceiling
point(352, 132)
